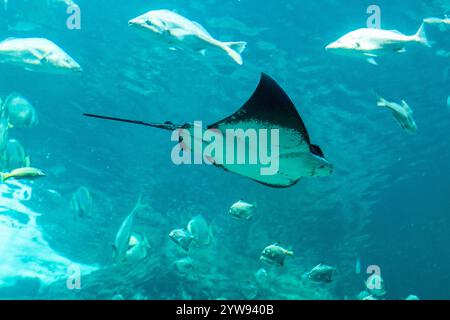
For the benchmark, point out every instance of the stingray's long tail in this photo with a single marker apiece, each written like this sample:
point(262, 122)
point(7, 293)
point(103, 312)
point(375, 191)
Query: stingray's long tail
point(166, 125)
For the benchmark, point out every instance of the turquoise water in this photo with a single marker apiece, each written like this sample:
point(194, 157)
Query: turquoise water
point(386, 203)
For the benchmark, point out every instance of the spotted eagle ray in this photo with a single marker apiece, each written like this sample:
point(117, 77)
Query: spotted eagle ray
point(269, 108)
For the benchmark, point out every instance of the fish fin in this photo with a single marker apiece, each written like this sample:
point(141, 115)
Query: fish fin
point(421, 36)
point(316, 150)
point(372, 61)
point(238, 46)
point(381, 102)
point(372, 55)
point(203, 52)
point(198, 25)
point(38, 55)
point(255, 204)
point(401, 50)
point(179, 33)
point(406, 106)
point(234, 50)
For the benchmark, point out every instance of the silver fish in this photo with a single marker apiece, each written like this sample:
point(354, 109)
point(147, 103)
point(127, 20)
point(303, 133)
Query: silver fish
point(37, 54)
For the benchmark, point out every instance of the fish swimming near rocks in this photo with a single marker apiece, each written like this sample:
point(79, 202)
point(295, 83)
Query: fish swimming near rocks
point(242, 210)
point(20, 112)
point(4, 132)
point(178, 31)
point(200, 231)
point(402, 113)
point(122, 241)
point(14, 155)
point(275, 254)
point(182, 237)
point(268, 110)
point(38, 55)
point(138, 247)
point(81, 202)
point(370, 43)
point(261, 276)
point(320, 273)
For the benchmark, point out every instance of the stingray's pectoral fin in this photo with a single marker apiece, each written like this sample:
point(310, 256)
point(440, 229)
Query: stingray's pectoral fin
point(270, 111)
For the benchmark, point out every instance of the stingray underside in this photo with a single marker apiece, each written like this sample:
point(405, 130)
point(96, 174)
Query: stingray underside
point(269, 112)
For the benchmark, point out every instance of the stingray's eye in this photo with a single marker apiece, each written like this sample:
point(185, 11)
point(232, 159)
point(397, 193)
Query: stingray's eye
point(322, 166)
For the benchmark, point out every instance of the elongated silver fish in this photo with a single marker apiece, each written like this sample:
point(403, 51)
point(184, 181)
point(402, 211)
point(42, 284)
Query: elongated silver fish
point(37, 54)
point(369, 43)
point(178, 31)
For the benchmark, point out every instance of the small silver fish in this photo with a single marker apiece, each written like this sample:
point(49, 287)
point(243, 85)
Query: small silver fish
point(137, 248)
point(242, 210)
point(20, 112)
point(199, 229)
point(82, 202)
point(401, 112)
point(275, 254)
point(321, 273)
point(181, 237)
point(261, 276)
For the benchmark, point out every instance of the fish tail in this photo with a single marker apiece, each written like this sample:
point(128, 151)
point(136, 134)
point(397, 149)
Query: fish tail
point(235, 49)
point(4, 177)
point(381, 102)
point(421, 36)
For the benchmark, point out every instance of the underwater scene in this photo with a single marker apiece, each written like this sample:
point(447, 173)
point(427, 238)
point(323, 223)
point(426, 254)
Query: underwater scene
point(225, 150)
